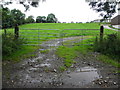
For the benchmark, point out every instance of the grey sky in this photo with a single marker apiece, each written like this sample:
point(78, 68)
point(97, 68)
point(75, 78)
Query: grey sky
point(65, 10)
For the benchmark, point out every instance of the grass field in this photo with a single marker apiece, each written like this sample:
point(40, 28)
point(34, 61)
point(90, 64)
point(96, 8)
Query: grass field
point(37, 36)
point(32, 36)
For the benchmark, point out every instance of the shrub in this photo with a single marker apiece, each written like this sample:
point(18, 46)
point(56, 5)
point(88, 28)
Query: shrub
point(110, 45)
point(10, 44)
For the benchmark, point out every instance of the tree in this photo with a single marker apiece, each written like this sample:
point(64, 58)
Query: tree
point(107, 9)
point(10, 18)
point(6, 18)
point(25, 3)
point(41, 19)
point(30, 19)
point(18, 17)
point(51, 18)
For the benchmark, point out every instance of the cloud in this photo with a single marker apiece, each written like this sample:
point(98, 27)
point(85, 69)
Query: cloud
point(65, 10)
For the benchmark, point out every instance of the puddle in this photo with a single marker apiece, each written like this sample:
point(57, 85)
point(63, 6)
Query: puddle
point(86, 69)
point(42, 65)
point(36, 59)
point(81, 76)
point(45, 65)
point(48, 60)
point(42, 49)
point(32, 69)
point(53, 44)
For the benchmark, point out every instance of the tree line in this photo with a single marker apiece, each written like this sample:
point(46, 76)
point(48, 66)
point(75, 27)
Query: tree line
point(12, 17)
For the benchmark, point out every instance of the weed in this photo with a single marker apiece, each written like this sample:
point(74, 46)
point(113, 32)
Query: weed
point(10, 44)
point(108, 60)
point(62, 68)
point(109, 45)
point(44, 51)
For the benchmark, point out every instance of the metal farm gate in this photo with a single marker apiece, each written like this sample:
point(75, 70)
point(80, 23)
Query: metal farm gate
point(38, 36)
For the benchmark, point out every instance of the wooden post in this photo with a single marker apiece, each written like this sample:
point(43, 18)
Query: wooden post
point(101, 32)
point(16, 31)
point(5, 32)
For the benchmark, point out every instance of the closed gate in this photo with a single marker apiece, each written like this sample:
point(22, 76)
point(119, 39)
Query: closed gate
point(38, 36)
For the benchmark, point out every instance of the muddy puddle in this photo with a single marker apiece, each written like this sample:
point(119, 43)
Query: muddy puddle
point(42, 65)
point(78, 78)
point(81, 76)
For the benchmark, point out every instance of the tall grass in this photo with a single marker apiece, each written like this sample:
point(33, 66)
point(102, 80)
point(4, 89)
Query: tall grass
point(10, 44)
point(110, 45)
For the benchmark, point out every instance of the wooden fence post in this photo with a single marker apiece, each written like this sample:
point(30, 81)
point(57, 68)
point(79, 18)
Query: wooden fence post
point(16, 31)
point(101, 32)
point(5, 32)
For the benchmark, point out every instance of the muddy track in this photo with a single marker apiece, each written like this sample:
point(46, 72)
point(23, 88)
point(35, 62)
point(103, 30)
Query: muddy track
point(43, 71)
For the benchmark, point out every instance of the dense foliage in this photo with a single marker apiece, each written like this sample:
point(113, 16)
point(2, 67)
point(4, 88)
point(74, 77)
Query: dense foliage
point(41, 19)
point(110, 45)
point(30, 19)
point(107, 9)
point(49, 19)
point(25, 3)
point(10, 44)
point(10, 18)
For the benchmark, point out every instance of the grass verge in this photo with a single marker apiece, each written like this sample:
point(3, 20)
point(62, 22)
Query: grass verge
point(24, 52)
point(108, 60)
point(68, 54)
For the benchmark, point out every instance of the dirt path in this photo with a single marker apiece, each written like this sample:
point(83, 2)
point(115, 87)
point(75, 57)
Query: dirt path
point(43, 71)
point(107, 27)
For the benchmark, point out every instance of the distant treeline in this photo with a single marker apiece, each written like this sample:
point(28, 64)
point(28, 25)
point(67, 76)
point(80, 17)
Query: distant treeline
point(12, 17)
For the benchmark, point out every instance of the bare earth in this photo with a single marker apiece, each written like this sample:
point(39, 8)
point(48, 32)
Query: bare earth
point(43, 71)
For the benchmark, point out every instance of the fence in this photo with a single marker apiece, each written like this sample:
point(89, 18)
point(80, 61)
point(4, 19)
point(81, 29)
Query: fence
point(39, 35)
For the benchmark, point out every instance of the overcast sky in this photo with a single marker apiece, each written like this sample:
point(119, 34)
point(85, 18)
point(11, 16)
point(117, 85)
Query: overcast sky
point(64, 10)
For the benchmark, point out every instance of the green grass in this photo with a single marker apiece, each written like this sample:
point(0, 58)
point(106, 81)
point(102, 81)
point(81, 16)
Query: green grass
point(108, 60)
point(84, 49)
point(46, 34)
point(62, 68)
point(52, 34)
point(24, 52)
point(70, 53)
point(44, 51)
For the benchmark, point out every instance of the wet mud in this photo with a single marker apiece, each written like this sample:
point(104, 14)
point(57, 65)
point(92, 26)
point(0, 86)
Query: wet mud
point(43, 71)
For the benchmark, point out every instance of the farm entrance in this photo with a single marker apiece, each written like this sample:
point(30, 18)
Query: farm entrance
point(57, 36)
